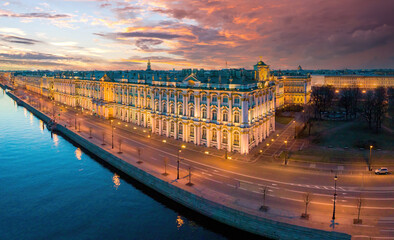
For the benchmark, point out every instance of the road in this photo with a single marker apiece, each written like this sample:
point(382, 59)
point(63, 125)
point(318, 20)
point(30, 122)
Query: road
point(243, 181)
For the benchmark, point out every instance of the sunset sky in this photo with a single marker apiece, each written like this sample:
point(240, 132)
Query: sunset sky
point(123, 34)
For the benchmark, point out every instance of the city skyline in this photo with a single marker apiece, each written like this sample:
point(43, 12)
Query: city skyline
point(120, 35)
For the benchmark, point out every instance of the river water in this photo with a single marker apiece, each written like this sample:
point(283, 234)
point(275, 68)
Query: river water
point(51, 189)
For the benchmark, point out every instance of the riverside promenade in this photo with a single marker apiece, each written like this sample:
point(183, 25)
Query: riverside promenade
point(224, 191)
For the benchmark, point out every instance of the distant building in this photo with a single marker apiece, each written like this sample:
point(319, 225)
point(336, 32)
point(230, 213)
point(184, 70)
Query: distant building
point(296, 86)
point(360, 81)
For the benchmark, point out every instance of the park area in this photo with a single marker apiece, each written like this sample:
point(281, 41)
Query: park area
point(346, 142)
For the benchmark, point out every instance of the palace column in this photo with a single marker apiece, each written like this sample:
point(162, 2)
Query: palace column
point(245, 109)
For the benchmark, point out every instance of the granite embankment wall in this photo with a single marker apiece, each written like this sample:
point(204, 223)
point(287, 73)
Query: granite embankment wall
point(219, 212)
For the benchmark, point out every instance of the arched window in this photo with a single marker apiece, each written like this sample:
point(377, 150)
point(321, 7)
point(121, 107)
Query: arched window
point(204, 98)
point(180, 110)
point(236, 139)
point(236, 117)
point(225, 116)
point(191, 98)
point(214, 135)
point(214, 115)
point(204, 133)
point(191, 131)
point(204, 113)
point(225, 99)
point(164, 127)
point(164, 108)
point(191, 111)
point(172, 127)
point(180, 128)
point(172, 109)
point(225, 137)
point(157, 123)
point(156, 106)
point(214, 99)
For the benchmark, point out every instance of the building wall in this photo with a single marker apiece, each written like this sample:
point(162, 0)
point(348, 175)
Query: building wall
point(297, 89)
point(225, 119)
point(362, 82)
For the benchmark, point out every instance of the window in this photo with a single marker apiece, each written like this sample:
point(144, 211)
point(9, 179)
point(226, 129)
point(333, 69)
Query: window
point(225, 116)
point(236, 139)
point(172, 95)
point(164, 108)
point(214, 115)
point(214, 99)
point(172, 109)
point(191, 111)
point(236, 117)
point(157, 123)
point(204, 113)
point(204, 133)
point(180, 110)
point(191, 131)
point(172, 127)
point(225, 137)
point(164, 126)
point(204, 98)
point(180, 128)
point(156, 106)
point(191, 98)
point(225, 99)
point(214, 135)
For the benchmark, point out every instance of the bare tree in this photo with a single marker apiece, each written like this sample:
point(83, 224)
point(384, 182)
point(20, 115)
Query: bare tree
point(264, 208)
point(367, 109)
point(165, 166)
point(307, 201)
point(380, 107)
point(321, 99)
point(120, 145)
point(359, 205)
point(348, 100)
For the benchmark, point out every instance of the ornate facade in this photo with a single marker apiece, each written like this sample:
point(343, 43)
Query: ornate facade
point(231, 109)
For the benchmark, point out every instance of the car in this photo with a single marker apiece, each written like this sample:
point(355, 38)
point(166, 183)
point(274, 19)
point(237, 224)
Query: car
point(382, 170)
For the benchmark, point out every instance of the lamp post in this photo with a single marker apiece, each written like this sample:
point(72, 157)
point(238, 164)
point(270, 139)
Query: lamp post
point(335, 196)
point(295, 131)
point(285, 152)
point(112, 130)
point(177, 168)
point(75, 122)
point(370, 157)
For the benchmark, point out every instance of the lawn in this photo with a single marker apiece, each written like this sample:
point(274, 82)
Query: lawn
point(283, 119)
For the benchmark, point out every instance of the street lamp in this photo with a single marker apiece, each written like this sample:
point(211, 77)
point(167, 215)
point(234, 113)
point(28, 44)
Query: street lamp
point(285, 152)
point(177, 168)
point(112, 128)
point(335, 196)
point(75, 122)
point(295, 131)
point(370, 157)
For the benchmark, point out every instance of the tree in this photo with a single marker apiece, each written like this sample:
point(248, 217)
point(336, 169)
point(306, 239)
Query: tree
point(380, 107)
point(307, 201)
point(348, 100)
point(321, 99)
point(367, 109)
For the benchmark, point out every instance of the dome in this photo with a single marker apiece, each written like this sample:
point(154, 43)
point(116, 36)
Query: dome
point(261, 63)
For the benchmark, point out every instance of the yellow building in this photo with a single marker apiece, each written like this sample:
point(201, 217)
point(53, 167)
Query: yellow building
point(360, 81)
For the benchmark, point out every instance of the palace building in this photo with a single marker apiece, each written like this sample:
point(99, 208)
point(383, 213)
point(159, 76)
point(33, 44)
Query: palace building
point(364, 82)
point(231, 109)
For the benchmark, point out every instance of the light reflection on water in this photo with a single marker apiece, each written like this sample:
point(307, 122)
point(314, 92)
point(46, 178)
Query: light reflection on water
point(78, 153)
point(55, 139)
point(116, 181)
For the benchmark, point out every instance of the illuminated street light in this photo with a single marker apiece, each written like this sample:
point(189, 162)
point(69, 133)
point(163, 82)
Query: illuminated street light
point(285, 152)
point(112, 130)
point(335, 196)
point(370, 158)
point(177, 168)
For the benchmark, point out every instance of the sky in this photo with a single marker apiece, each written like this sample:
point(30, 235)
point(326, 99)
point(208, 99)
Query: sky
point(210, 34)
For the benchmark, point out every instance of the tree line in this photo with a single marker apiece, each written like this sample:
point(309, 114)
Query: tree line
point(371, 104)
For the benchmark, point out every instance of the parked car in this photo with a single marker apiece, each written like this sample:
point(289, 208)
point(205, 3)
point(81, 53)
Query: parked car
point(382, 170)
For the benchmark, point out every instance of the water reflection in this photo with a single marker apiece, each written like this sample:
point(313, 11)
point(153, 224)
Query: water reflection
point(25, 112)
point(179, 222)
point(55, 139)
point(42, 126)
point(116, 181)
point(31, 118)
point(78, 153)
